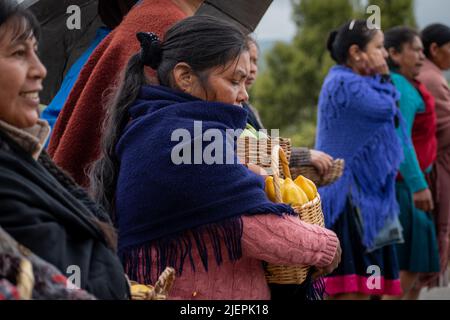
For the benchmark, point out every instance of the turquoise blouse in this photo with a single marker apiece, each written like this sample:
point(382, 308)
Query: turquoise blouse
point(411, 102)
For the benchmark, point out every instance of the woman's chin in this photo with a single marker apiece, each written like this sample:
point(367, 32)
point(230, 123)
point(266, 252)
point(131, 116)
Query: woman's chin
point(27, 121)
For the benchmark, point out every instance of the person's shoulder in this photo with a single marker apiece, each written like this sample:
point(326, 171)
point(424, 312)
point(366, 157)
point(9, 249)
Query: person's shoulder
point(400, 82)
point(341, 78)
point(156, 16)
point(397, 77)
point(342, 73)
point(336, 76)
point(430, 75)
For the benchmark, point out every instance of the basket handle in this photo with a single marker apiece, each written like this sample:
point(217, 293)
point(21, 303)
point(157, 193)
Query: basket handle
point(165, 281)
point(278, 155)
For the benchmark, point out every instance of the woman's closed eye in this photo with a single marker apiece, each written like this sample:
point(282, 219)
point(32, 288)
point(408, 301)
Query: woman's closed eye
point(19, 51)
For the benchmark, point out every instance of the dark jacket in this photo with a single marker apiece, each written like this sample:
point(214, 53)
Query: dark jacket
point(55, 222)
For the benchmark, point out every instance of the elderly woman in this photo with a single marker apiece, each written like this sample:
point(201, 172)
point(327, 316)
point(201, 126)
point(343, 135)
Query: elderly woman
point(41, 207)
point(436, 42)
point(418, 255)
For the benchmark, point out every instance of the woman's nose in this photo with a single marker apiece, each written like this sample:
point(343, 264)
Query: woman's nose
point(243, 95)
point(37, 69)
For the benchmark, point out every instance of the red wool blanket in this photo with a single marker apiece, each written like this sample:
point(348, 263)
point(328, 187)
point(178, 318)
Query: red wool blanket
point(75, 142)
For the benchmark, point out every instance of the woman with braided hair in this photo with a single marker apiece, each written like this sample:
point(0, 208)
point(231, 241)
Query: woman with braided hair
point(211, 222)
point(41, 207)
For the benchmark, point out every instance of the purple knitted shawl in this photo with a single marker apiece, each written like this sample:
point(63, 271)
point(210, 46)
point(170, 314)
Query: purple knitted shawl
point(357, 121)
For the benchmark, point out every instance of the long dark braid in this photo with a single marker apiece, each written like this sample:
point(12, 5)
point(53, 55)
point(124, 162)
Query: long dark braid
point(104, 172)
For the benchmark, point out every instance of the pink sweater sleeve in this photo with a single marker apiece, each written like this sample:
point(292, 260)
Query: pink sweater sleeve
point(287, 241)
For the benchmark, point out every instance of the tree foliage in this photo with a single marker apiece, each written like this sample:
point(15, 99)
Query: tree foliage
point(287, 91)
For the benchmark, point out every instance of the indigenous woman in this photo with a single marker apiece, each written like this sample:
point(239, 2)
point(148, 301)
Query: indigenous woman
point(41, 207)
point(357, 122)
point(181, 202)
point(436, 42)
point(418, 255)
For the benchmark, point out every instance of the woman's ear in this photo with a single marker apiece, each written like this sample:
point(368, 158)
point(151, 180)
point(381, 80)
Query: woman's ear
point(183, 77)
point(355, 53)
point(394, 55)
point(434, 48)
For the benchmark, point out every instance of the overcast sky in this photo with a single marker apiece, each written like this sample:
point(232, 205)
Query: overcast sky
point(277, 23)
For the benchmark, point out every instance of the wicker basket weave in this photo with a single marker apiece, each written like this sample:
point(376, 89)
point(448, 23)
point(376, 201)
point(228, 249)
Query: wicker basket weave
point(311, 173)
point(310, 212)
point(25, 280)
point(158, 292)
point(259, 151)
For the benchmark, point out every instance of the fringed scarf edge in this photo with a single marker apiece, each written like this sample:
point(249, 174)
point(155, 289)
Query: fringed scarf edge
point(381, 157)
point(172, 251)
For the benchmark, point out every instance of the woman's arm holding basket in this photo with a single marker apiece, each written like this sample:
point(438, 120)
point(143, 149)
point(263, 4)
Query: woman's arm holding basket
point(288, 241)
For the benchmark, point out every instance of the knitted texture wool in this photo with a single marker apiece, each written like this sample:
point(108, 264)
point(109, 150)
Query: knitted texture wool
point(357, 117)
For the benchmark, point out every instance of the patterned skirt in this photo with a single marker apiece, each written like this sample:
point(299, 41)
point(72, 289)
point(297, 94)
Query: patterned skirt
point(360, 271)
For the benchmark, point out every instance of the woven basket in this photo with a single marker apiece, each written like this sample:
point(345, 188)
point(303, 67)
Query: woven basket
point(310, 212)
point(25, 280)
point(158, 292)
point(311, 173)
point(259, 151)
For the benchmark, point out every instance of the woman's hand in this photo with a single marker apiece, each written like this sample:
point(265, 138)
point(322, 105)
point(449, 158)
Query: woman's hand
point(257, 169)
point(331, 267)
point(381, 68)
point(321, 161)
point(423, 200)
point(378, 64)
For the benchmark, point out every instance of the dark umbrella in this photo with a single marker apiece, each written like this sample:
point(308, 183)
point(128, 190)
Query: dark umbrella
point(60, 47)
point(246, 14)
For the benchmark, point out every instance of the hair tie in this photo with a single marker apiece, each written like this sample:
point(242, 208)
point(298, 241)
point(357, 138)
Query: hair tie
point(151, 51)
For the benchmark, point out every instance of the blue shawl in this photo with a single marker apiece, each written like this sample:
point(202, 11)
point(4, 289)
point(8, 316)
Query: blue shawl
point(164, 205)
point(357, 117)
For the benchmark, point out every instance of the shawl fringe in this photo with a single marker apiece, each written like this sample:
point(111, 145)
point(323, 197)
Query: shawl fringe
point(172, 251)
point(375, 197)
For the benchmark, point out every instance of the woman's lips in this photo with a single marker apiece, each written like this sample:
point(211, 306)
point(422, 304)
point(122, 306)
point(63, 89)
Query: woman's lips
point(32, 97)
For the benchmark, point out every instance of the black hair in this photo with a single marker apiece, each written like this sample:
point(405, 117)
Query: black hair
point(353, 32)
point(396, 38)
point(112, 11)
point(203, 42)
point(435, 33)
point(24, 23)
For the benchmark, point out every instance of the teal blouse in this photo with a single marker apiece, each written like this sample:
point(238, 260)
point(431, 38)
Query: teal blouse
point(411, 102)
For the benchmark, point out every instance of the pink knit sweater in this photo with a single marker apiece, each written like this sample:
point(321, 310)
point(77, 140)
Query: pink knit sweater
point(433, 78)
point(286, 241)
